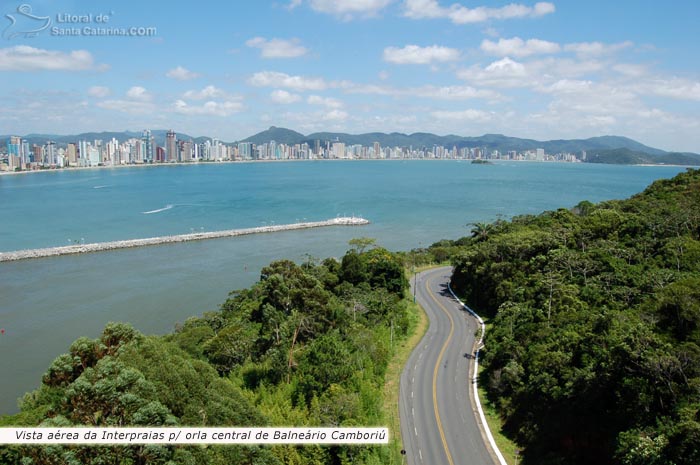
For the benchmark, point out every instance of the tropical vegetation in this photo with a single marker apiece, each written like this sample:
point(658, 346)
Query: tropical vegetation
point(593, 355)
point(307, 345)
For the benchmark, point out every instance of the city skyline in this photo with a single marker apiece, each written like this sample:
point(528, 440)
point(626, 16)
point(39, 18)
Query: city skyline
point(540, 70)
point(20, 156)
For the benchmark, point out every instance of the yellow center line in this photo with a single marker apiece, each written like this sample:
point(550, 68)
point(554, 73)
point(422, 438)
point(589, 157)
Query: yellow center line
point(435, 374)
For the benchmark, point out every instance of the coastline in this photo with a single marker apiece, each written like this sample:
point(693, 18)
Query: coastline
point(131, 243)
point(205, 163)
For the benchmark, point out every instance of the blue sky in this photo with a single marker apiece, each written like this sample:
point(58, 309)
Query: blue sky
point(541, 70)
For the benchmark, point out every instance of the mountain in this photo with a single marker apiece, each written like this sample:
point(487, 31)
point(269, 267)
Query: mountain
point(279, 135)
point(489, 141)
point(624, 156)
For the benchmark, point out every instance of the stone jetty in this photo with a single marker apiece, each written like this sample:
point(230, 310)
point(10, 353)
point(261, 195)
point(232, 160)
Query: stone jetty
point(198, 236)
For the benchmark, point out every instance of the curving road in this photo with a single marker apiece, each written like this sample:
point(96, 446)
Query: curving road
point(439, 422)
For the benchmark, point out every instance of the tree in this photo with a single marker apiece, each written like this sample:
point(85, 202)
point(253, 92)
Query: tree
point(360, 244)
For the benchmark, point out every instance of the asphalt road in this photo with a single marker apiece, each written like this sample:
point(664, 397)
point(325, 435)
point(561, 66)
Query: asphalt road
point(439, 422)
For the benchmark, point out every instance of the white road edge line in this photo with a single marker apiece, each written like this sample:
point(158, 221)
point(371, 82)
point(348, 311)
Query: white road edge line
point(500, 457)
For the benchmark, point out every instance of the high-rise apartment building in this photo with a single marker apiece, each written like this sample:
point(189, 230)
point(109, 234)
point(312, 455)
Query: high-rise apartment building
point(171, 151)
point(148, 146)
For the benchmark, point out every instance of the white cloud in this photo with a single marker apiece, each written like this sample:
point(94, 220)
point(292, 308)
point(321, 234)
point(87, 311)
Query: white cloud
point(133, 107)
point(460, 14)
point(368, 89)
point(675, 88)
point(138, 102)
point(507, 72)
point(518, 47)
point(182, 74)
point(138, 93)
point(284, 97)
point(348, 9)
point(98, 91)
point(26, 58)
point(596, 48)
point(502, 73)
point(276, 79)
point(277, 48)
point(326, 101)
point(631, 70)
point(463, 115)
point(336, 115)
point(415, 55)
point(293, 4)
point(210, 108)
point(567, 86)
point(208, 92)
point(452, 92)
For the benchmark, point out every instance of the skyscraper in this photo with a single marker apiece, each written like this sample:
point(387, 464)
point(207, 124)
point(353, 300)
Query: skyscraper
point(171, 151)
point(148, 146)
point(14, 149)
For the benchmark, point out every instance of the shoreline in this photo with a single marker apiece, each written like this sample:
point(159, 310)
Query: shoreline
point(131, 243)
point(226, 162)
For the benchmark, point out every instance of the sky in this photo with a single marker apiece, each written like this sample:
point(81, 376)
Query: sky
point(540, 70)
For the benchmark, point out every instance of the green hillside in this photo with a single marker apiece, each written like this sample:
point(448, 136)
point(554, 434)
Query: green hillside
point(307, 345)
point(593, 355)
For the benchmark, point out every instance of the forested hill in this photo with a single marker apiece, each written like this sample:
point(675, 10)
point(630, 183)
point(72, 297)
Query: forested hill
point(593, 355)
point(308, 345)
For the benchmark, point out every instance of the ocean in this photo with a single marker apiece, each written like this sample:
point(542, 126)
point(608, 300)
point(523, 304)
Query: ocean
point(47, 303)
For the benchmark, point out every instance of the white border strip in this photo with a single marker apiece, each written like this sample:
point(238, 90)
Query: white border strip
point(189, 435)
point(479, 345)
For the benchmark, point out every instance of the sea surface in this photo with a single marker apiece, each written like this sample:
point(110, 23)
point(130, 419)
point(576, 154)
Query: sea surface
point(47, 303)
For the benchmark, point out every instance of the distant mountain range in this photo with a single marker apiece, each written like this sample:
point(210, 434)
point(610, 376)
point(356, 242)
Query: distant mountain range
point(604, 149)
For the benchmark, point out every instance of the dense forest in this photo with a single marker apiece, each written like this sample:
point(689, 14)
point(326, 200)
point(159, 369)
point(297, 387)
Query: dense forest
point(593, 351)
point(308, 345)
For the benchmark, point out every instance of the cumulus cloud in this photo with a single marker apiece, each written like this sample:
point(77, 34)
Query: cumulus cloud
point(675, 88)
point(98, 91)
point(133, 107)
point(348, 9)
point(326, 101)
point(567, 86)
point(276, 79)
point(210, 108)
point(631, 70)
point(182, 74)
point(26, 58)
point(508, 73)
point(277, 48)
point(284, 97)
point(502, 73)
point(336, 115)
point(138, 101)
point(518, 47)
point(596, 48)
point(463, 115)
point(460, 14)
point(415, 55)
point(453, 93)
point(138, 93)
point(208, 92)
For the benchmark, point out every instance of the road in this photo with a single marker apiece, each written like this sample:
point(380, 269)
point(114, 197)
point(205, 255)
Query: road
point(439, 422)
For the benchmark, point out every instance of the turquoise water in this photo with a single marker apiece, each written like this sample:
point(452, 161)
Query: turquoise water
point(45, 304)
